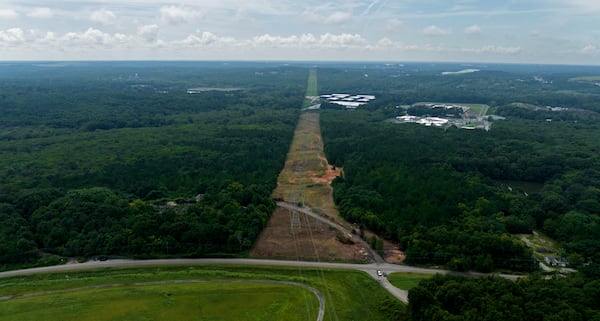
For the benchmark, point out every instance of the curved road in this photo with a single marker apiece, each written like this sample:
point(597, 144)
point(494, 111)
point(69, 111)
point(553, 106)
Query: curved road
point(370, 269)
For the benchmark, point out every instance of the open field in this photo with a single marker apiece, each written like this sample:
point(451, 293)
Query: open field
point(306, 176)
point(306, 180)
point(349, 295)
point(311, 88)
point(311, 240)
point(406, 281)
point(541, 245)
point(190, 301)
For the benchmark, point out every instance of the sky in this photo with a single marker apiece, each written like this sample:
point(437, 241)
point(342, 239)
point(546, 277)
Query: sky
point(509, 31)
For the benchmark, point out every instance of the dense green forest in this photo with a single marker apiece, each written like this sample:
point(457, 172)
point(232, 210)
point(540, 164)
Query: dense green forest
point(446, 298)
point(91, 153)
point(442, 194)
point(458, 198)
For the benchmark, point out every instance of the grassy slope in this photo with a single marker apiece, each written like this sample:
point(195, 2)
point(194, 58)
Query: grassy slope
point(209, 301)
point(407, 281)
point(349, 295)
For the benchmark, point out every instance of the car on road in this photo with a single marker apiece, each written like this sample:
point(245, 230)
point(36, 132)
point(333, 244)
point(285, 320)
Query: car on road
point(379, 273)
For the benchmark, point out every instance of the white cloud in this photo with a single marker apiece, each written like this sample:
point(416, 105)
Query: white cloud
point(436, 31)
point(12, 36)
point(473, 30)
point(385, 43)
point(177, 15)
point(43, 13)
point(206, 39)
point(584, 6)
point(278, 41)
point(589, 49)
point(94, 37)
point(8, 14)
point(394, 25)
point(337, 17)
point(342, 40)
point(493, 49)
point(103, 16)
point(148, 33)
point(327, 40)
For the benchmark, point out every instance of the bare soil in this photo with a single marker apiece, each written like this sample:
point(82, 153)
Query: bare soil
point(306, 239)
point(306, 179)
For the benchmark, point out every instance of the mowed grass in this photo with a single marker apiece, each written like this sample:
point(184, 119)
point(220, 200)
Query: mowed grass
point(349, 295)
point(407, 281)
point(194, 301)
point(311, 88)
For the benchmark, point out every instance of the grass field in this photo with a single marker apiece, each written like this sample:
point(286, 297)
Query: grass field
point(311, 87)
point(407, 281)
point(196, 301)
point(349, 295)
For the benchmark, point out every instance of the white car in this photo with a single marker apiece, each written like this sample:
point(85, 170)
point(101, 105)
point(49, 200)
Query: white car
point(379, 273)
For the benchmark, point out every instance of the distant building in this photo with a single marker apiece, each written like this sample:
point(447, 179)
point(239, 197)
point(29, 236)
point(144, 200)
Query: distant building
point(556, 261)
point(347, 100)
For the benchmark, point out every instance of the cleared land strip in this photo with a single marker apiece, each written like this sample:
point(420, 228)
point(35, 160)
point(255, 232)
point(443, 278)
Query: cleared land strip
point(306, 176)
point(370, 269)
point(306, 180)
point(339, 227)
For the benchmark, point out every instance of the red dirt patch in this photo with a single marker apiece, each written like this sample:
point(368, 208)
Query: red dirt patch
point(328, 177)
point(311, 239)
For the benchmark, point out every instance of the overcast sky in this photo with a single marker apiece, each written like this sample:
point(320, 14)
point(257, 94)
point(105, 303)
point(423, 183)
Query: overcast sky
point(521, 31)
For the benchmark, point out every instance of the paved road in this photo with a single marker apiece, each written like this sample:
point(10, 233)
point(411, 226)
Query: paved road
point(337, 226)
point(370, 269)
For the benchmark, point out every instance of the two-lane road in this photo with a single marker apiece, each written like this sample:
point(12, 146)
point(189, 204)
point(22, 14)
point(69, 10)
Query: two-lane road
point(370, 269)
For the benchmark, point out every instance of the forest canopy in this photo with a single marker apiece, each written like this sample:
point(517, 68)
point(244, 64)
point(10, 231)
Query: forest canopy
point(92, 156)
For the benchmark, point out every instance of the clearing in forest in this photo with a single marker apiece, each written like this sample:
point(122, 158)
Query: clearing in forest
point(306, 180)
point(306, 176)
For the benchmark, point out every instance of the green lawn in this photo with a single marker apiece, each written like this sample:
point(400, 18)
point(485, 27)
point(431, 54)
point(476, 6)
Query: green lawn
point(349, 295)
point(195, 301)
point(311, 88)
point(407, 281)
